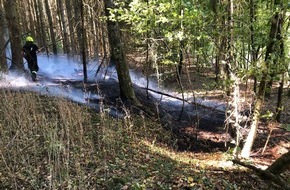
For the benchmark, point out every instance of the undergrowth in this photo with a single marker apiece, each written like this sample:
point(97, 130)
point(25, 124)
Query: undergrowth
point(53, 143)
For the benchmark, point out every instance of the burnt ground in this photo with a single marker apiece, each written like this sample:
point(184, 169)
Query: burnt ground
point(272, 140)
point(200, 128)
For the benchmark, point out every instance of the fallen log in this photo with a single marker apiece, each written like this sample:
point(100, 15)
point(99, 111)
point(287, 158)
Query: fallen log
point(265, 174)
point(281, 164)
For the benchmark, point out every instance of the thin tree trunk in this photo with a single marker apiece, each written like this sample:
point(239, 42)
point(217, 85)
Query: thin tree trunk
point(14, 34)
point(42, 24)
point(256, 117)
point(284, 65)
point(70, 26)
point(230, 45)
point(280, 99)
point(118, 57)
point(180, 51)
point(83, 41)
point(254, 50)
point(3, 62)
point(214, 5)
point(51, 30)
point(262, 87)
point(78, 26)
point(276, 45)
point(61, 10)
point(31, 16)
point(36, 18)
point(92, 35)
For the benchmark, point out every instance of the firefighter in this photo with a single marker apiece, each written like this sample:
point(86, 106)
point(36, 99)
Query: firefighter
point(29, 53)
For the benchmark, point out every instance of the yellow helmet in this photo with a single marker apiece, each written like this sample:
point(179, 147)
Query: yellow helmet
point(29, 39)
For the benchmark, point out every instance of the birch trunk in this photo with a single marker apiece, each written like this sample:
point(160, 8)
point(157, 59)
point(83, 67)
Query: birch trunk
point(246, 151)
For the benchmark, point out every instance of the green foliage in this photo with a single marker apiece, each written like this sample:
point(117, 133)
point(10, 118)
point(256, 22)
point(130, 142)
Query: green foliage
point(268, 115)
point(286, 126)
point(163, 23)
point(198, 28)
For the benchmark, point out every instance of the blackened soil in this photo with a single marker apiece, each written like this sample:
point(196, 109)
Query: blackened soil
point(174, 115)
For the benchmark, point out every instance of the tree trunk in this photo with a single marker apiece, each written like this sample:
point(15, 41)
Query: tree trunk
point(265, 174)
point(262, 87)
point(51, 30)
point(214, 5)
point(42, 24)
point(256, 117)
point(70, 26)
point(276, 45)
point(14, 34)
point(280, 165)
point(31, 17)
point(118, 57)
point(254, 49)
point(23, 19)
point(280, 99)
point(66, 48)
point(83, 41)
point(81, 34)
point(221, 68)
point(37, 21)
point(92, 20)
point(3, 62)
point(181, 44)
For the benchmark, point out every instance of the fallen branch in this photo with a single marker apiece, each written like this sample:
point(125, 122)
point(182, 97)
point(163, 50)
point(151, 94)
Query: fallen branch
point(264, 174)
point(182, 99)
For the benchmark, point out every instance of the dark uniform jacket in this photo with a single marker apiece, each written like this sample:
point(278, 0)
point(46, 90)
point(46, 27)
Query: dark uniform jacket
point(30, 50)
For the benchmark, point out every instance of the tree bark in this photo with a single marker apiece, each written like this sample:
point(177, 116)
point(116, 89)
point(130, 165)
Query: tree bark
point(66, 48)
point(246, 151)
point(83, 41)
point(280, 165)
point(214, 5)
point(94, 30)
point(280, 99)
point(276, 45)
point(265, 174)
point(14, 34)
point(262, 87)
point(36, 16)
point(51, 30)
point(42, 24)
point(70, 20)
point(118, 57)
point(254, 49)
point(31, 17)
point(24, 15)
point(3, 62)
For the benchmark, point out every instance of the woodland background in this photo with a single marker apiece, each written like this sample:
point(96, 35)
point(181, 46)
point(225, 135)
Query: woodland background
point(241, 47)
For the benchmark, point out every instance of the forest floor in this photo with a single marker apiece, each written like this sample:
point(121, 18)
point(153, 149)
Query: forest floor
point(77, 148)
point(273, 138)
